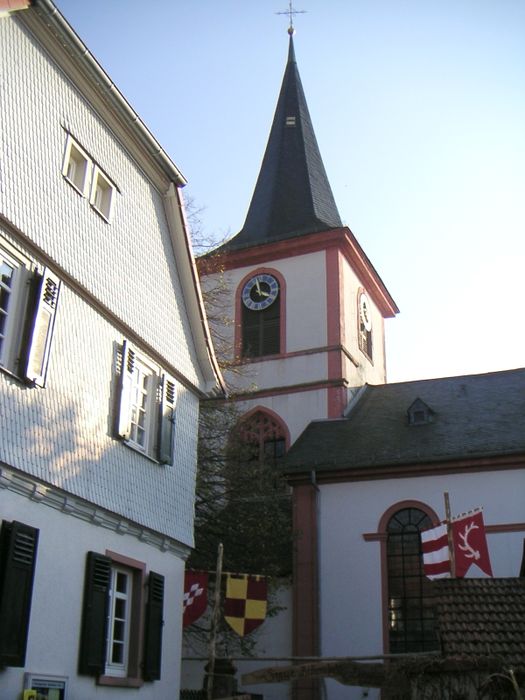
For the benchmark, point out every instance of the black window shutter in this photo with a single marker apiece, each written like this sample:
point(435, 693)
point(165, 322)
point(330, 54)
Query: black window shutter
point(41, 320)
point(167, 419)
point(126, 374)
point(153, 629)
point(18, 547)
point(92, 656)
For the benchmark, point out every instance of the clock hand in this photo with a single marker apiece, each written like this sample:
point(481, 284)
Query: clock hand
point(258, 286)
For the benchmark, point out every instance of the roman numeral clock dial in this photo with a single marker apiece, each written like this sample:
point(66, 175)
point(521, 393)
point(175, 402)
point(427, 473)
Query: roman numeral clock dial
point(260, 292)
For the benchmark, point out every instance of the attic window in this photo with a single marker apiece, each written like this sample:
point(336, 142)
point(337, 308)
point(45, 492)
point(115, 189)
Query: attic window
point(76, 167)
point(102, 194)
point(419, 413)
point(290, 121)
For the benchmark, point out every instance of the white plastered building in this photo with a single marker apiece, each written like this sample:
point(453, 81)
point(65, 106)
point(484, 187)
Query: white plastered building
point(104, 356)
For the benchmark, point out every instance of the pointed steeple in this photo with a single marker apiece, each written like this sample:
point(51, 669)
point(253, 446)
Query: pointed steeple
point(292, 196)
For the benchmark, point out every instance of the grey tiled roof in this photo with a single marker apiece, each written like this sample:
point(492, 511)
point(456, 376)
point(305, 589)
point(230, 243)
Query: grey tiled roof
point(482, 617)
point(470, 416)
point(292, 196)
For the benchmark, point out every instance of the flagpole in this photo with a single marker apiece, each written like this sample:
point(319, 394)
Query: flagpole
point(214, 622)
point(448, 518)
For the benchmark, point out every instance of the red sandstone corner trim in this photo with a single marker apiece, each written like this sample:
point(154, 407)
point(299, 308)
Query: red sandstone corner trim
point(305, 588)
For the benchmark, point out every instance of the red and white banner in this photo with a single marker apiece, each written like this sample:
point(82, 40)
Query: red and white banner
point(436, 554)
point(470, 543)
point(195, 599)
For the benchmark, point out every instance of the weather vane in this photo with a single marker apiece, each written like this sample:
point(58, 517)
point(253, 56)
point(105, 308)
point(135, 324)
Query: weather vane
point(291, 12)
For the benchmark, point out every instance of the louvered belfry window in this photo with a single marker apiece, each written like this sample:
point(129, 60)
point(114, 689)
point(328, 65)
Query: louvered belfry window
point(410, 603)
point(261, 330)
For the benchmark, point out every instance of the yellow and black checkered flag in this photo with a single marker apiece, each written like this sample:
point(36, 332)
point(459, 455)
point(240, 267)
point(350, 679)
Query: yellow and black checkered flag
point(245, 602)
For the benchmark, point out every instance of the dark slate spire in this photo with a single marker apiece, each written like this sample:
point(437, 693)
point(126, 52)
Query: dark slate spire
point(292, 196)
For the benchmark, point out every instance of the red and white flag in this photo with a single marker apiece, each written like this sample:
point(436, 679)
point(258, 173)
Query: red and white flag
point(195, 599)
point(470, 543)
point(436, 554)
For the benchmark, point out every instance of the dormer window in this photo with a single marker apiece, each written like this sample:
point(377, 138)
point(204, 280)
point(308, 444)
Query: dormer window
point(419, 413)
point(290, 121)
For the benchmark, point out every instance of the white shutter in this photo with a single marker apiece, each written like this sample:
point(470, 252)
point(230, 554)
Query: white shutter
point(126, 374)
point(41, 331)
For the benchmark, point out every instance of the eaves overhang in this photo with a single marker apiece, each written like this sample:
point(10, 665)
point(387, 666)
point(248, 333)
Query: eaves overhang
point(332, 474)
point(341, 238)
point(185, 260)
point(49, 26)
point(65, 47)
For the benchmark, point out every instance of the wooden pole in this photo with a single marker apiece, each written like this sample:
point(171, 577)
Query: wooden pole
point(214, 622)
point(448, 519)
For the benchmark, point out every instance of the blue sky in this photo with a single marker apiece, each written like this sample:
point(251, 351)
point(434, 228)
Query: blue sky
point(419, 111)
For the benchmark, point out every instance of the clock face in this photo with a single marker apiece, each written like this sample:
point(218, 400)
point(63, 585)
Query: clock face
point(260, 292)
point(364, 312)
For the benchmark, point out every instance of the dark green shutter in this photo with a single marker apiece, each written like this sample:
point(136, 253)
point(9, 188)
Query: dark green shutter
point(153, 629)
point(92, 657)
point(41, 318)
point(126, 374)
point(167, 419)
point(18, 547)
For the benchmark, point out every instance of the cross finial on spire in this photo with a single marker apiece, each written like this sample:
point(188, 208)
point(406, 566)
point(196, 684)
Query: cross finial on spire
point(291, 12)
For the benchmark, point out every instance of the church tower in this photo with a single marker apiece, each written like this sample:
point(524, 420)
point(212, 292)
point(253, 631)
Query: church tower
point(307, 305)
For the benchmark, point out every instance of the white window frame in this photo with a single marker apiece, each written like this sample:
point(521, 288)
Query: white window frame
point(143, 403)
point(119, 668)
point(74, 158)
point(102, 194)
point(11, 335)
point(147, 405)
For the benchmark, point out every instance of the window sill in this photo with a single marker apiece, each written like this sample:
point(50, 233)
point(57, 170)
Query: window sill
point(137, 450)
point(77, 189)
point(103, 216)
point(16, 377)
point(261, 358)
point(118, 682)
